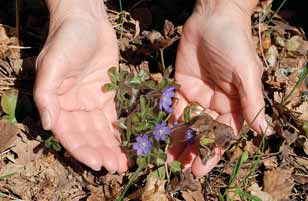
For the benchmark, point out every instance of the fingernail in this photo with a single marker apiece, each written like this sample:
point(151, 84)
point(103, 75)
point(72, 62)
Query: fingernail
point(46, 120)
point(96, 168)
point(265, 128)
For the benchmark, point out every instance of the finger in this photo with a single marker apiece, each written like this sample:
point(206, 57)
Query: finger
point(179, 106)
point(199, 169)
point(252, 102)
point(188, 156)
point(48, 79)
point(178, 138)
point(195, 90)
point(109, 158)
point(78, 147)
point(224, 103)
point(234, 120)
point(123, 162)
point(98, 134)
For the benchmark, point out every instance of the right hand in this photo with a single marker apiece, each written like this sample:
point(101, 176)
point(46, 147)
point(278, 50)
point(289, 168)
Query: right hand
point(71, 70)
point(217, 67)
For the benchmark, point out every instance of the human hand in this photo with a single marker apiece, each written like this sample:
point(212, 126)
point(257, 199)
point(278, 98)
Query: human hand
point(217, 67)
point(71, 70)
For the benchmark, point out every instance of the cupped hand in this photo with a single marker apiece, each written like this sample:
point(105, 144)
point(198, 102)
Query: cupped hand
point(217, 67)
point(71, 70)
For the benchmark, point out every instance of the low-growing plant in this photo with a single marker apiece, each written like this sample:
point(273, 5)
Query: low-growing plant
point(144, 105)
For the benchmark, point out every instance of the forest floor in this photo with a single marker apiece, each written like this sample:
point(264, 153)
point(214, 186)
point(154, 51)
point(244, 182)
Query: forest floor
point(33, 165)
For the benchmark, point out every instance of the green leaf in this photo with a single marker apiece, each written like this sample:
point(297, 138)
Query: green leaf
point(236, 169)
point(113, 74)
point(163, 83)
point(298, 83)
point(6, 176)
point(141, 161)
point(175, 166)
point(168, 71)
point(51, 143)
point(205, 141)
point(8, 104)
point(108, 87)
point(143, 104)
point(246, 195)
point(159, 173)
point(150, 84)
point(143, 75)
point(160, 156)
point(187, 115)
point(305, 127)
point(220, 197)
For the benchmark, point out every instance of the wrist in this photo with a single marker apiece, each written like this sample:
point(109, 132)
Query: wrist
point(234, 8)
point(60, 9)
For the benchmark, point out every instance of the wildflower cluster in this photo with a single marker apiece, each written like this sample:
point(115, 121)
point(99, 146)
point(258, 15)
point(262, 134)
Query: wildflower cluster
point(143, 106)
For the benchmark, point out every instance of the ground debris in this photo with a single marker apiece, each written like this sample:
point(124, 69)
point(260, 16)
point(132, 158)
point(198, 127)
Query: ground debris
point(43, 179)
point(279, 183)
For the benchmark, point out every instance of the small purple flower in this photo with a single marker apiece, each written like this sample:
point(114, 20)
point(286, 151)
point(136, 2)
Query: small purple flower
point(190, 136)
point(161, 131)
point(142, 145)
point(165, 102)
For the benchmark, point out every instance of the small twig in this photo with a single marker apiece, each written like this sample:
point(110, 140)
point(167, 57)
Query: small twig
point(166, 165)
point(161, 51)
point(17, 18)
point(15, 47)
point(8, 196)
point(261, 45)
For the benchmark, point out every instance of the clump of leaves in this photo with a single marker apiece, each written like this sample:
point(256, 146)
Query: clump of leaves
point(144, 106)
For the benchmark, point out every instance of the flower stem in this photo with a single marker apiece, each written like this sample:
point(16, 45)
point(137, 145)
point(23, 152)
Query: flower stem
point(130, 182)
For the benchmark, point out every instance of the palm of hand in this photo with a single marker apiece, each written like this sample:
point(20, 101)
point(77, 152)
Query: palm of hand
point(217, 66)
point(71, 71)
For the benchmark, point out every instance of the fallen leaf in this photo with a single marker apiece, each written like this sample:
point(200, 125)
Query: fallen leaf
point(192, 196)
point(97, 194)
point(24, 149)
point(8, 133)
point(278, 183)
point(255, 190)
point(152, 36)
point(184, 181)
point(303, 110)
point(154, 190)
point(43, 179)
point(272, 55)
point(270, 163)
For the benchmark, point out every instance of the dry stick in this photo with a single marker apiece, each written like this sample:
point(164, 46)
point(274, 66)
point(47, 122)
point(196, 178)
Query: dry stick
point(17, 4)
point(261, 45)
point(15, 47)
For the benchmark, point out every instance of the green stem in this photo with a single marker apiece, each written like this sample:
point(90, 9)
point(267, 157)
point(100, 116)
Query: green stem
point(276, 11)
point(161, 50)
point(130, 182)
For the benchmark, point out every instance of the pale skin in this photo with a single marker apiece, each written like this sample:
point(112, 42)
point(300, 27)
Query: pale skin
point(216, 56)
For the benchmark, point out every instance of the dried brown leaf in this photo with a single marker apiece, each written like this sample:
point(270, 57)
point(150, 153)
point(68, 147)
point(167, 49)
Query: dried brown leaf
point(192, 196)
point(270, 163)
point(154, 190)
point(8, 133)
point(24, 149)
point(255, 190)
point(278, 183)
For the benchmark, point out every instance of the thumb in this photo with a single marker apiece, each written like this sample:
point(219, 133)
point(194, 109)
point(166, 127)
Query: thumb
point(45, 96)
point(252, 101)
